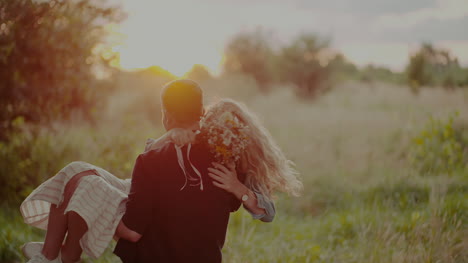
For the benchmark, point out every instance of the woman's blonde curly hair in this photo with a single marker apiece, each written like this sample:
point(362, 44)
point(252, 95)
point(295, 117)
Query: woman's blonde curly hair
point(266, 167)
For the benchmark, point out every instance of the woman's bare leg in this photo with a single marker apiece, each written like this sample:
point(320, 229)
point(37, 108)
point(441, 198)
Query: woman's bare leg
point(58, 222)
point(71, 250)
point(56, 230)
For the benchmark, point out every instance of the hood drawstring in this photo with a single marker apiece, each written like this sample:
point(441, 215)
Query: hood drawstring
point(180, 158)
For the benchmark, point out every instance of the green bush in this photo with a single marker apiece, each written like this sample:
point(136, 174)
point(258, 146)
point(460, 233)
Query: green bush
point(49, 52)
point(402, 195)
point(431, 66)
point(28, 159)
point(441, 148)
point(35, 154)
point(13, 234)
point(455, 208)
point(305, 63)
point(250, 53)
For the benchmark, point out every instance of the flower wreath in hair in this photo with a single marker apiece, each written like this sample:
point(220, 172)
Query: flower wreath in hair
point(225, 135)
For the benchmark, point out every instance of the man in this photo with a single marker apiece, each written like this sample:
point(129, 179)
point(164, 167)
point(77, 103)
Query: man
point(175, 218)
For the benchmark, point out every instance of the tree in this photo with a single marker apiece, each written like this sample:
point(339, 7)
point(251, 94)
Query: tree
point(250, 53)
point(343, 68)
point(373, 73)
point(49, 53)
point(198, 73)
point(431, 66)
point(305, 62)
point(157, 71)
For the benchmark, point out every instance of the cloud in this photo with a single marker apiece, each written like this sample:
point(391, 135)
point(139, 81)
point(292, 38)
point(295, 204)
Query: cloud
point(434, 31)
point(364, 7)
point(443, 10)
point(457, 48)
point(394, 55)
point(179, 33)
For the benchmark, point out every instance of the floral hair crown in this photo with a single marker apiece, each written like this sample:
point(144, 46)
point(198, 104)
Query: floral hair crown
point(225, 135)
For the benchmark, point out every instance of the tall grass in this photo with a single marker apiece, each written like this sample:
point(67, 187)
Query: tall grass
point(363, 200)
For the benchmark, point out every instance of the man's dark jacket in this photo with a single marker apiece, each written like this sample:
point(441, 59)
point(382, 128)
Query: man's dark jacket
point(176, 225)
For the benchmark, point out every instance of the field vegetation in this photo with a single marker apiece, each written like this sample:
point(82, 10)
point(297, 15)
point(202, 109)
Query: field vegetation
point(371, 193)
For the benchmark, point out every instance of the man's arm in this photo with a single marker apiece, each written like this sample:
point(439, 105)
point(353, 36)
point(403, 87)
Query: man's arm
point(139, 205)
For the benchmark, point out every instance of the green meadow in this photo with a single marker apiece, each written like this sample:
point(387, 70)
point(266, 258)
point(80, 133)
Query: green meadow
point(385, 171)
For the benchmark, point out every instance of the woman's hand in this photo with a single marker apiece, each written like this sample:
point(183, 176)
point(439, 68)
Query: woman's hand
point(181, 136)
point(226, 178)
point(126, 233)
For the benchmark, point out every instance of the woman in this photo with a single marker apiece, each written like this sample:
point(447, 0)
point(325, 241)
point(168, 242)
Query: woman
point(86, 199)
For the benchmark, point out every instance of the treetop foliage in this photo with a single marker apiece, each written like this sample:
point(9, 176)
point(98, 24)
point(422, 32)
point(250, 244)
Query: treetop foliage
point(48, 57)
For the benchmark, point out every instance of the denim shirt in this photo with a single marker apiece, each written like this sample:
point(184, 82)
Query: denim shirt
point(267, 205)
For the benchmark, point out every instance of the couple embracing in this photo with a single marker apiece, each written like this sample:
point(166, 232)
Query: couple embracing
point(176, 206)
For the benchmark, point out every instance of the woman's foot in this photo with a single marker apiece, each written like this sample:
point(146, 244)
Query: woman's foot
point(39, 258)
point(33, 252)
point(31, 249)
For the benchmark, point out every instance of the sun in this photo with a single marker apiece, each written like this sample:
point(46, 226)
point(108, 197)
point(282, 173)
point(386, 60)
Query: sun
point(176, 62)
point(150, 38)
point(174, 55)
point(172, 37)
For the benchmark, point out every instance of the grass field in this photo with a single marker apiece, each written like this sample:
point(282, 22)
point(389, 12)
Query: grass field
point(363, 200)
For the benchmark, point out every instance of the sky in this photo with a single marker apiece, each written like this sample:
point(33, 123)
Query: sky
point(176, 34)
